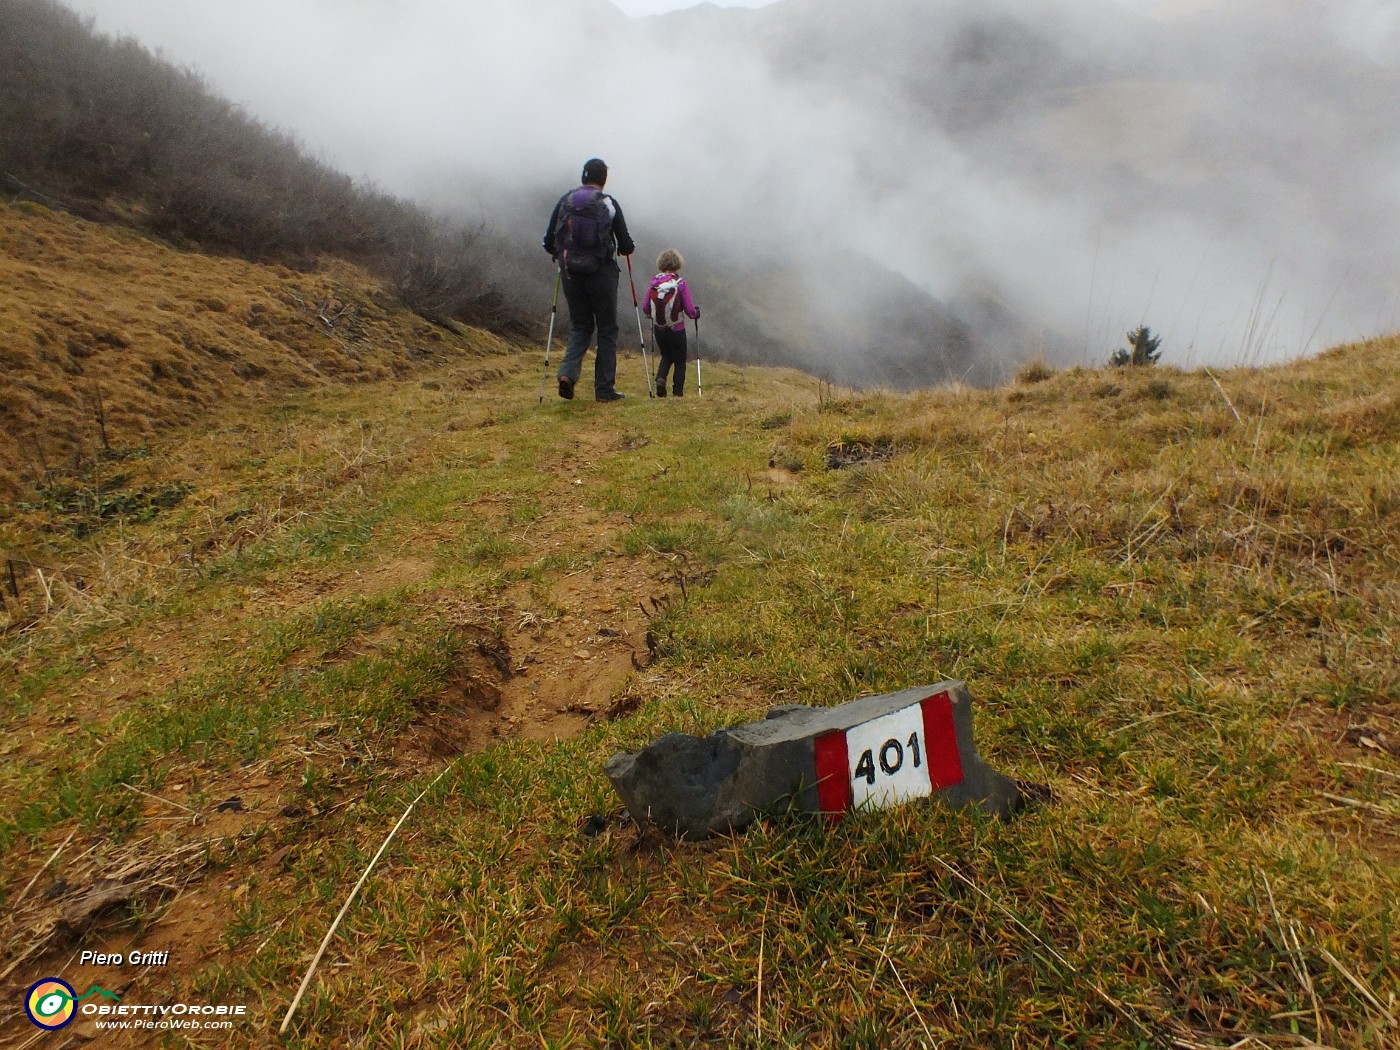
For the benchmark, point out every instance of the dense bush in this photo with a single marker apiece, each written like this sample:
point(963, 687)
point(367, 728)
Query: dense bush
point(108, 130)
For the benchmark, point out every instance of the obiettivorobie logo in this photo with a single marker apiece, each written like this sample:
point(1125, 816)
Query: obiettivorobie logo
point(52, 1003)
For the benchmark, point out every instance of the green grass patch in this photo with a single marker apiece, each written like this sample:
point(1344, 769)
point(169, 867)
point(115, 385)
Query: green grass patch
point(1177, 615)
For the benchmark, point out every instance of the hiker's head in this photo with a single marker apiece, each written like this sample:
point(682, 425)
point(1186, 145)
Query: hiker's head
point(669, 261)
point(595, 173)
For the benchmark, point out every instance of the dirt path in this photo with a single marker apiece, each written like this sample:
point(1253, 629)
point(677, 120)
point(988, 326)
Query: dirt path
point(542, 662)
point(569, 650)
point(569, 647)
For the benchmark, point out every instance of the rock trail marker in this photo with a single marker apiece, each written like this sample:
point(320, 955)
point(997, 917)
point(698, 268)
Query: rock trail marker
point(871, 753)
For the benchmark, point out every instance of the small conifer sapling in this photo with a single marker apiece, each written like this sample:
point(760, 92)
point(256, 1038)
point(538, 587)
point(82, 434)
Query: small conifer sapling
point(1142, 349)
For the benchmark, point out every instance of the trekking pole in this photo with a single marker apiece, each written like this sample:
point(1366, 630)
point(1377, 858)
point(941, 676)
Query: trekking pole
point(638, 310)
point(699, 382)
point(553, 310)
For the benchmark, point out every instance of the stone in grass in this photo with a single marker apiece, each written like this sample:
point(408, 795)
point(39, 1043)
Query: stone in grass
point(874, 752)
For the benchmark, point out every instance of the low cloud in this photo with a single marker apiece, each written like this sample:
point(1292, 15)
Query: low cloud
point(1225, 172)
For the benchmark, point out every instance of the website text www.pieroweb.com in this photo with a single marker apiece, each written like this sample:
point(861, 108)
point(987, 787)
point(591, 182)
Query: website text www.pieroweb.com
point(52, 1003)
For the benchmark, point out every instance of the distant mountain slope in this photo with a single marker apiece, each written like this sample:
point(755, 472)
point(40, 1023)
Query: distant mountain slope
point(1089, 162)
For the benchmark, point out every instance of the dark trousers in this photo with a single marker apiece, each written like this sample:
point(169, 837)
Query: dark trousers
point(592, 300)
point(670, 347)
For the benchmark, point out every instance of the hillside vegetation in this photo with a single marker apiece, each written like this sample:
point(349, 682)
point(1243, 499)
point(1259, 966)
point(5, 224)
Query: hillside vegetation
point(106, 337)
point(105, 129)
point(239, 645)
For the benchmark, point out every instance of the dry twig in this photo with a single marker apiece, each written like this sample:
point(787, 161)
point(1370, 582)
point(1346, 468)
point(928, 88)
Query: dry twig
point(1226, 396)
point(1360, 986)
point(25, 892)
point(316, 961)
point(1117, 1007)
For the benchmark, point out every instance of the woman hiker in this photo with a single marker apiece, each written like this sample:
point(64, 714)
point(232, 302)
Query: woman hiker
point(669, 303)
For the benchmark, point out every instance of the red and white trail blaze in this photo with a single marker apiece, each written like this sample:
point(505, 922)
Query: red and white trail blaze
point(903, 755)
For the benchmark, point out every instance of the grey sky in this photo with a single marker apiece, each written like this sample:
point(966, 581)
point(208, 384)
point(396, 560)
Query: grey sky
point(653, 7)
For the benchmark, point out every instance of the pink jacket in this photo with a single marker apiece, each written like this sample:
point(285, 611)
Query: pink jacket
point(669, 302)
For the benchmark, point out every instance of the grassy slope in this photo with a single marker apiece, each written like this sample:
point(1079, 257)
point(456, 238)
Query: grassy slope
point(100, 326)
point(1177, 611)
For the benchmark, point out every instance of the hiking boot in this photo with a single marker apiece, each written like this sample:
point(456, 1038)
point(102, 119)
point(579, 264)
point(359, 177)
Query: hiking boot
point(614, 396)
point(660, 390)
point(566, 388)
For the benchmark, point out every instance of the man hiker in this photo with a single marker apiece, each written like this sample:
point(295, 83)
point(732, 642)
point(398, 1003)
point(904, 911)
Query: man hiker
point(585, 234)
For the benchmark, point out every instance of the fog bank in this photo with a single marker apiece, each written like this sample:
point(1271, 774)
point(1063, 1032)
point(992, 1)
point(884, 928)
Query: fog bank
point(1044, 173)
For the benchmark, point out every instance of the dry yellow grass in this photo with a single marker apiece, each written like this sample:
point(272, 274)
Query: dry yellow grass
point(1175, 596)
point(103, 330)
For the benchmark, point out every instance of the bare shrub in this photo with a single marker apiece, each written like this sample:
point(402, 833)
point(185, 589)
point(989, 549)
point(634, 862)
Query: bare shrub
point(1036, 370)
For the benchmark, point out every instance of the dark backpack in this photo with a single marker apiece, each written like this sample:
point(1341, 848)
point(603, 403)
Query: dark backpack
point(583, 231)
